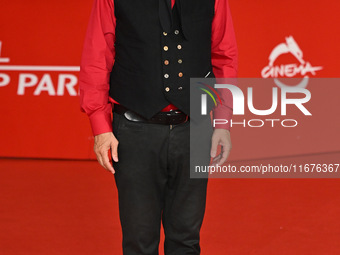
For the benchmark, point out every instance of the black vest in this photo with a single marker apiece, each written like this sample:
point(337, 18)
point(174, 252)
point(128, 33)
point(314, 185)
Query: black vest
point(153, 68)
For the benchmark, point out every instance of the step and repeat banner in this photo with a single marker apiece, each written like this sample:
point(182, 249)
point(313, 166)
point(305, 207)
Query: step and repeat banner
point(40, 50)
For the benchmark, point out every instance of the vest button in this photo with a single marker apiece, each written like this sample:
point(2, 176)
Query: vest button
point(180, 88)
point(165, 33)
point(166, 62)
point(166, 48)
point(180, 61)
point(167, 89)
point(166, 76)
point(176, 32)
point(180, 74)
point(179, 46)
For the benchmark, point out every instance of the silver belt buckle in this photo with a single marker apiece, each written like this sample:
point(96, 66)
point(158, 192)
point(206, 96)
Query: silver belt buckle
point(132, 116)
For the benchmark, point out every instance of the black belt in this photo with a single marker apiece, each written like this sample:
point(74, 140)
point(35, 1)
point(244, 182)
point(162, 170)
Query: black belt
point(174, 117)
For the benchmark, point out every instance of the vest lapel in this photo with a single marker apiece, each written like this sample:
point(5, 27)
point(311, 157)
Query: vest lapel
point(180, 5)
point(165, 15)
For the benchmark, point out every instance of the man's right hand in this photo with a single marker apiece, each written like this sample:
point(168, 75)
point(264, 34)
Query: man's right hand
point(103, 143)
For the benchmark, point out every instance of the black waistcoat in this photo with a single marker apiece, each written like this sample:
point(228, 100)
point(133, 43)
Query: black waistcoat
point(153, 68)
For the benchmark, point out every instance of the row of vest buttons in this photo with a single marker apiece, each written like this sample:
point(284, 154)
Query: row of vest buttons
point(167, 89)
point(166, 48)
point(166, 76)
point(166, 62)
point(176, 32)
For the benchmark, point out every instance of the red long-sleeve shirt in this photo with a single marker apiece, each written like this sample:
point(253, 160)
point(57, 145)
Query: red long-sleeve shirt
point(99, 54)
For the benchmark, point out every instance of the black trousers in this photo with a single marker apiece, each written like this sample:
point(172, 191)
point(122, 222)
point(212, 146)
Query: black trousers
point(154, 186)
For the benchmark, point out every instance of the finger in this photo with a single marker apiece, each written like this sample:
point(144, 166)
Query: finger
point(99, 159)
point(214, 145)
point(108, 166)
point(216, 160)
point(114, 151)
point(106, 161)
point(224, 155)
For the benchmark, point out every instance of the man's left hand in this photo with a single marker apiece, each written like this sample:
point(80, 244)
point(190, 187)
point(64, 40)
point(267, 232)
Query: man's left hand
point(220, 137)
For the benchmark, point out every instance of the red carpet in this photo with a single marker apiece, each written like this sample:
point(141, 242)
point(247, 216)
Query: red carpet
point(70, 207)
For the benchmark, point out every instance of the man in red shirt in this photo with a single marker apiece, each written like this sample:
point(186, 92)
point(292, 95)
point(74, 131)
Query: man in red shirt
point(139, 56)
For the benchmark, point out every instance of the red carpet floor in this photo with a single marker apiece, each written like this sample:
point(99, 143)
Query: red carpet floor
point(70, 207)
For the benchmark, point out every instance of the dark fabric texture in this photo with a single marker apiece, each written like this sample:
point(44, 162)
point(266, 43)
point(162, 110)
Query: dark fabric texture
point(140, 79)
point(165, 14)
point(154, 185)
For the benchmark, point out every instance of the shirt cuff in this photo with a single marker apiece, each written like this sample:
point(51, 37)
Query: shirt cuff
point(101, 122)
point(222, 117)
